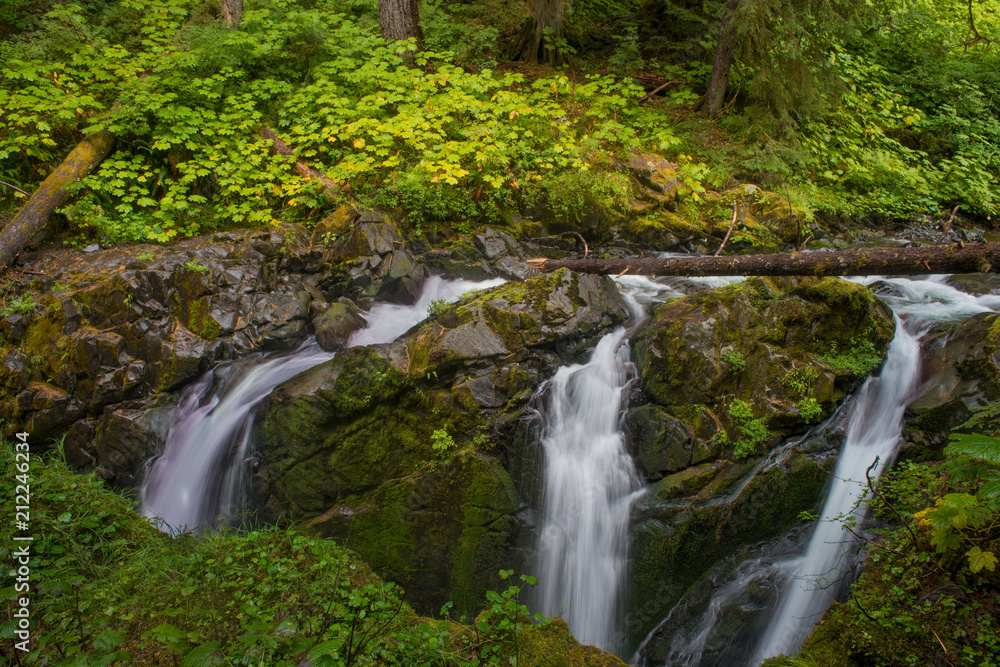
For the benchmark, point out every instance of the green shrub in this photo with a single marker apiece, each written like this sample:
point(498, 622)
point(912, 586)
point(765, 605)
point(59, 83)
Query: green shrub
point(752, 430)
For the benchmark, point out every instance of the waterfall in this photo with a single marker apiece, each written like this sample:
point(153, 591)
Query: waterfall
point(589, 485)
point(198, 480)
point(811, 581)
point(873, 433)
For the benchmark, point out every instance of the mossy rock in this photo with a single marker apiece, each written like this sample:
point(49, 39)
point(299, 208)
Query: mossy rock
point(443, 532)
point(541, 311)
point(553, 645)
point(674, 544)
point(770, 343)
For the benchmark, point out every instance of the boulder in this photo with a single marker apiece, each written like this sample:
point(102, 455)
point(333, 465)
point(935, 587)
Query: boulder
point(431, 488)
point(786, 350)
point(545, 310)
point(336, 324)
point(961, 371)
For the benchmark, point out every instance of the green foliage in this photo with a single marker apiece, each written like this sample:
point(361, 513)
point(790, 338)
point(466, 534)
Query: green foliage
point(499, 628)
point(934, 571)
point(22, 304)
point(188, 98)
point(752, 430)
point(799, 381)
point(861, 359)
point(442, 443)
point(809, 408)
point(194, 265)
point(438, 307)
point(735, 360)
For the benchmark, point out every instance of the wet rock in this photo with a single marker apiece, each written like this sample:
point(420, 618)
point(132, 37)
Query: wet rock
point(45, 410)
point(769, 343)
point(677, 538)
point(547, 309)
point(663, 444)
point(490, 244)
point(463, 261)
point(334, 327)
point(961, 371)
point(125, 439)
point(657, 174)
point(466, 503)
point(401, 278)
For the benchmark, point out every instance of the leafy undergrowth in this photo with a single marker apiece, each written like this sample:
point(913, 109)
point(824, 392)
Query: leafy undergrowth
point(107, 588)
point(929, 592)
point(188, 98)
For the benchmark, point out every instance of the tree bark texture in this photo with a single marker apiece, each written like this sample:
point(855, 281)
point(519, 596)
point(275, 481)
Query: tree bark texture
point(52, 194)
point(300, 167)
point(968, 258)
point(400, 19)
point(715, 97)
point(232, 13)
point(530, 44)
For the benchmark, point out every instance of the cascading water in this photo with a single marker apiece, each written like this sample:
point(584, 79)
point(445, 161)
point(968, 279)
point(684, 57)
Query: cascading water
point(873, 430)
point(197, 480)
point(589, 485)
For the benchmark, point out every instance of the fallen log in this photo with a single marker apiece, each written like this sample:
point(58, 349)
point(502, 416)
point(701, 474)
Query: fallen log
point(52, 194)
point(300, 167)
point(967, 258)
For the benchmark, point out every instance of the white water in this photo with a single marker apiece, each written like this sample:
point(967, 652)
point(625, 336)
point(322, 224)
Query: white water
point(874, 429)
point(197, 481)
point(873, 432)
point(589, 485)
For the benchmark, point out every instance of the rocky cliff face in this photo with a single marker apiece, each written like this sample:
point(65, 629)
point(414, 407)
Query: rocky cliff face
point(400, 449)
point(726, 376)
point(416, 452)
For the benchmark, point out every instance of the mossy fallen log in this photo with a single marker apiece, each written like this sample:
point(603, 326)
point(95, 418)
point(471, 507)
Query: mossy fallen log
point(301, 167)
point(962, 258)
point(52, 194)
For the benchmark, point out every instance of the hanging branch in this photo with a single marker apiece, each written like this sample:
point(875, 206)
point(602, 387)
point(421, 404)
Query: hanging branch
point(732, 225)
point(947, 228)
point(976, 37)
point(15, 188)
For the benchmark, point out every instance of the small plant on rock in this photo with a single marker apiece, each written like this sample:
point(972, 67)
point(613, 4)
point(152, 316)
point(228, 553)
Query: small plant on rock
point(735, 360)
point(753, 431)
point(442, 442)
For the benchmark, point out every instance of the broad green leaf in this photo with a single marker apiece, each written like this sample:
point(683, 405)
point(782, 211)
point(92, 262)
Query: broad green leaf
point(979, 559)
point(976, 445)
point(206, 655)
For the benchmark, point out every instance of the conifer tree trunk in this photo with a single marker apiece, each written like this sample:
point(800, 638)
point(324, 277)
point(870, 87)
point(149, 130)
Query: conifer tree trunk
point(530, 43)
point(232, 13)
point(400, 19)
point(715, 97)
point(52, 194)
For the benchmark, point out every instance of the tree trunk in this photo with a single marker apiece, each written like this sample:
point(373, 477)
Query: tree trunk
point(52, 194)
point(400, 19)
point(715, 97)
point(531, 45)
point(968, 258)
point(232, 13)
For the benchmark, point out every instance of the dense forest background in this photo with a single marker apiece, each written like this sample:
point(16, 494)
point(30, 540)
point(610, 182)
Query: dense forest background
point(874, 110)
